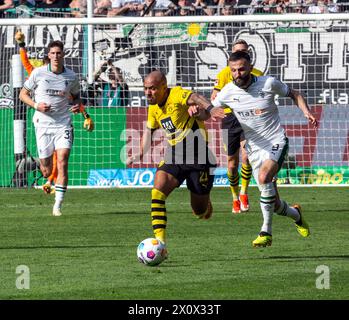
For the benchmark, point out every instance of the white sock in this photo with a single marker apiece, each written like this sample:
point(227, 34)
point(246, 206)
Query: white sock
point(286, 210)
point(59, 196)
point(267, 203)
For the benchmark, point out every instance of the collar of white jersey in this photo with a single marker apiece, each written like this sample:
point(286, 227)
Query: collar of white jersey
point(49, 69)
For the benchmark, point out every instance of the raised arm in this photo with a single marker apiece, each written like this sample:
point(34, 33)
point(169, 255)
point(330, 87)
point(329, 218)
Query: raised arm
point(20, 39)
point(102, 68)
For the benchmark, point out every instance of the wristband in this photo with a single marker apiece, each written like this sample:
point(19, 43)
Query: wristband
point(210, 107)
point(85, 114)
point(36, 104)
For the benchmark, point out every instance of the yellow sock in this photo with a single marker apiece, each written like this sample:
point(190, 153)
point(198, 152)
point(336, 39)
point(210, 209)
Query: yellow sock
point(246, 173)
point(158, 214)
point(234, 184)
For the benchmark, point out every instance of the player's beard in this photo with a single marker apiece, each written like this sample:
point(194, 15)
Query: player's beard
point(242, 81)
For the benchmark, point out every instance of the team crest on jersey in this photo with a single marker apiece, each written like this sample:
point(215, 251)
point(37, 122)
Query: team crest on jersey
point(184, 95)
point(261, 93)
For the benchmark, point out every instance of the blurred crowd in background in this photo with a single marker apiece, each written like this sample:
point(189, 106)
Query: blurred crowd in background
point(112, 8)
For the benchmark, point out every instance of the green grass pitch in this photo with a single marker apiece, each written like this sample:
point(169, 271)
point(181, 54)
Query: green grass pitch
point(90, 251)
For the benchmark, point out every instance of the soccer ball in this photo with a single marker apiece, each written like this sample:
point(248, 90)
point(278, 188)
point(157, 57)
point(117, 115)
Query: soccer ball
point(151, 252)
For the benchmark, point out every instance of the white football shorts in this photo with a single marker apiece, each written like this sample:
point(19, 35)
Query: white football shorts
point(50, 139)
point(276, 152)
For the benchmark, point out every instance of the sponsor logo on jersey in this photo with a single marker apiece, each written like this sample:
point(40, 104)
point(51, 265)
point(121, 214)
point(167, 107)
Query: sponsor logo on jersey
point(51, 92)
point(250, 113)
point(258, 111)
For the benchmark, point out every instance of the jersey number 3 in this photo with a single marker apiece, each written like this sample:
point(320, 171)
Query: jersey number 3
point(68, 135)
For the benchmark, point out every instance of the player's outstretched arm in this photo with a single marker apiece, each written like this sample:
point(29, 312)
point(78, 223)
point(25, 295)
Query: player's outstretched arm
point(20, 39)
point(197, 106)
point(302, 104)
point(214, 94)
point(205, 104)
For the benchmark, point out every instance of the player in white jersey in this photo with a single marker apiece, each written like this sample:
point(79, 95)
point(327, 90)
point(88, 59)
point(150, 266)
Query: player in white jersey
point(48, 90)
point(252, 100)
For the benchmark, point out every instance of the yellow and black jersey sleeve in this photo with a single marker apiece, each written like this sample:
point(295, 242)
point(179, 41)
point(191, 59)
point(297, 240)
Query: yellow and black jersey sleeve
point(257, 72)
point(152, 122)
point(173, 117)
point(223, 78)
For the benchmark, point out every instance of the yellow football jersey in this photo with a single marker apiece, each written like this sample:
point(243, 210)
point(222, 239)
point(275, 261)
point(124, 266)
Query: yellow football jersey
point(173, 117)
point(225, 76)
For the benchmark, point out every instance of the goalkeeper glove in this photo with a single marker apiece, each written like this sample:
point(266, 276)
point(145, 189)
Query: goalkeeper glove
point(19, 37)
point(88, 123)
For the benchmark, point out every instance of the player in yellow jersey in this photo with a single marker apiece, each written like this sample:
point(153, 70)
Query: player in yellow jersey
point(187, 156)
point(233, 138)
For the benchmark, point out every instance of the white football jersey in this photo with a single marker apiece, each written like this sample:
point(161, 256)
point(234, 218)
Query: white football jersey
point(55, 90)
point(256, 110)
